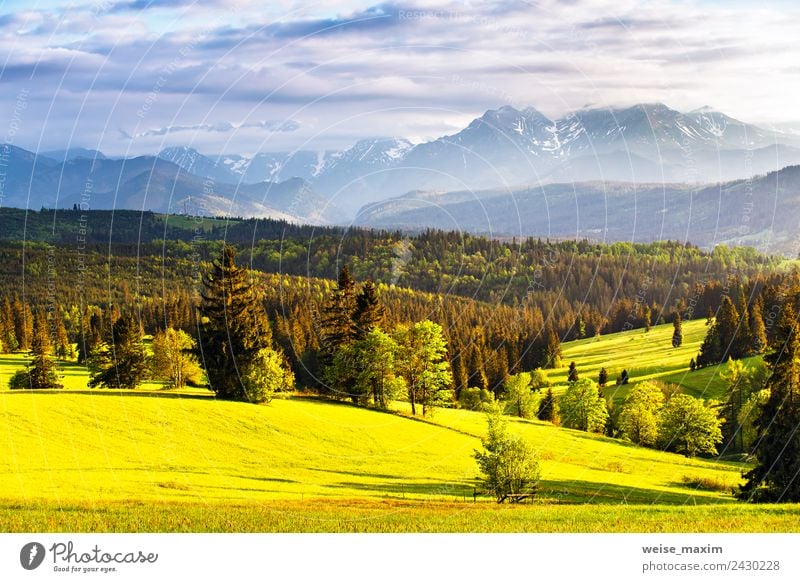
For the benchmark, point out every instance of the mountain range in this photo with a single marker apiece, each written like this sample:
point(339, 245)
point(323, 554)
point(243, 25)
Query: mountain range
point(592, 152)
point(760, 212)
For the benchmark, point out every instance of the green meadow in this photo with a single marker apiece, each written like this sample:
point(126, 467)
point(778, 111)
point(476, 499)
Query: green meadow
point(158, 460)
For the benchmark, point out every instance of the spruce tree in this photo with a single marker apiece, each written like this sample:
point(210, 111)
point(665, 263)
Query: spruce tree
point(8, 334)
point(758, 331)
point(338, 331)
point(369, 312)
point(777, 445)
point(711, 348)
point(727, 324)
point(572, 375)
point(602, 378)
point(677, 333)
point(23, 324)
point(235, 336)
point(552, 356)
point(547, 407)
point(120, 362)
point(63, 345)
point(42, 372)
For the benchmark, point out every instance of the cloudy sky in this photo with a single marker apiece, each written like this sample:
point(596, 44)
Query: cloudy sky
point(239, 76)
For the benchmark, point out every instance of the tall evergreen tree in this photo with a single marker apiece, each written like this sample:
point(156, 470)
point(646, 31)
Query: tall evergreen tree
point(63, 346)
point(777, 445)
point(677, 331)
point(42, 371)
point(742, 341)
point(369, 312)
point(23, 324)
point(122, 362)
point(727, 323)
point(547, 406)
point(602, 378)
point(337, 331)
point(572, 374)
point(552, 358)
point(758, 331)
point(235, 336)
point(8, 333)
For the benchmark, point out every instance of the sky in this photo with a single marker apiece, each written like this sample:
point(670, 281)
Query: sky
point(130, 77)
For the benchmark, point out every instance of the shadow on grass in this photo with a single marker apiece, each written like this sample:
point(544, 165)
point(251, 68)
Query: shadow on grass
point(121, 393)
point(565, 491)
point(356, 473)
point(424, 488)
point(558, 491)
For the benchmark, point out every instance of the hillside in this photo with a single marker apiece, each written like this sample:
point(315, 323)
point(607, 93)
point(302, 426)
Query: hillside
point(106, 445)
point(753, 212)
point(646, 356)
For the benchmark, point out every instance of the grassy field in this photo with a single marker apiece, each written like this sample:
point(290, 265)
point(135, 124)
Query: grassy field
point(646, 356)
point(156, 460)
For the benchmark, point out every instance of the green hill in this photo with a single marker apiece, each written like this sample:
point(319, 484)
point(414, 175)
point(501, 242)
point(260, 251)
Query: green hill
point(155, 460)
point(647, 356)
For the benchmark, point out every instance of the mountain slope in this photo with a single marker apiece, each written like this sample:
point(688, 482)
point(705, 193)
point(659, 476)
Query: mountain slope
point(756, 212)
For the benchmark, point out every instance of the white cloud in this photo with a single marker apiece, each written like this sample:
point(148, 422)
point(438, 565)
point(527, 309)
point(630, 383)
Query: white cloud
point(384, 69)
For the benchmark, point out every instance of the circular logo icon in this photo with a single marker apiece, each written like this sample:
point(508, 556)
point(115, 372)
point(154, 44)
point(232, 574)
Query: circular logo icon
point(31, 555)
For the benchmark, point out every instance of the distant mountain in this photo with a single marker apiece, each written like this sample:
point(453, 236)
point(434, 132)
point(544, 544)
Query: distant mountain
point(202, 166)
point(72, 154)
point(152, 183)
point(502, 149)
point(760, 212)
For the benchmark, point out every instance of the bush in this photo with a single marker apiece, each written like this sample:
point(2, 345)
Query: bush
point(475, 399)
point(21, 380)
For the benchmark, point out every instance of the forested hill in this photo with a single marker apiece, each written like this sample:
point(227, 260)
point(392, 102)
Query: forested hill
point(579, 287)
point(501, 303)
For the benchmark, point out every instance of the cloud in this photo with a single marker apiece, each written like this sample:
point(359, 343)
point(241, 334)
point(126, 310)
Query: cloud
point(357, 70)
point(286, 126)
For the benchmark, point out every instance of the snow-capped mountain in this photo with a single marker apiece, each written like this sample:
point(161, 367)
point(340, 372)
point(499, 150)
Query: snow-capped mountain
point(503, 148)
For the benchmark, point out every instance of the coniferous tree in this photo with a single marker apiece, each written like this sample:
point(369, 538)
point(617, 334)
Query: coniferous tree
point(63, 346)
point(338, 331)
point(235, 336)
point(547, 407)
point(552, 358)
point(572, 374)
point(727, 323)
point(42, 372)
point(8, 333)
point(647, 316)
point(758, 331)
point(23, 324)
point(121, 362)
point(369, 312)
point(711, 348)
point(602, 378)
point(677, 332)
point(743, 340)
point(777, 445)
